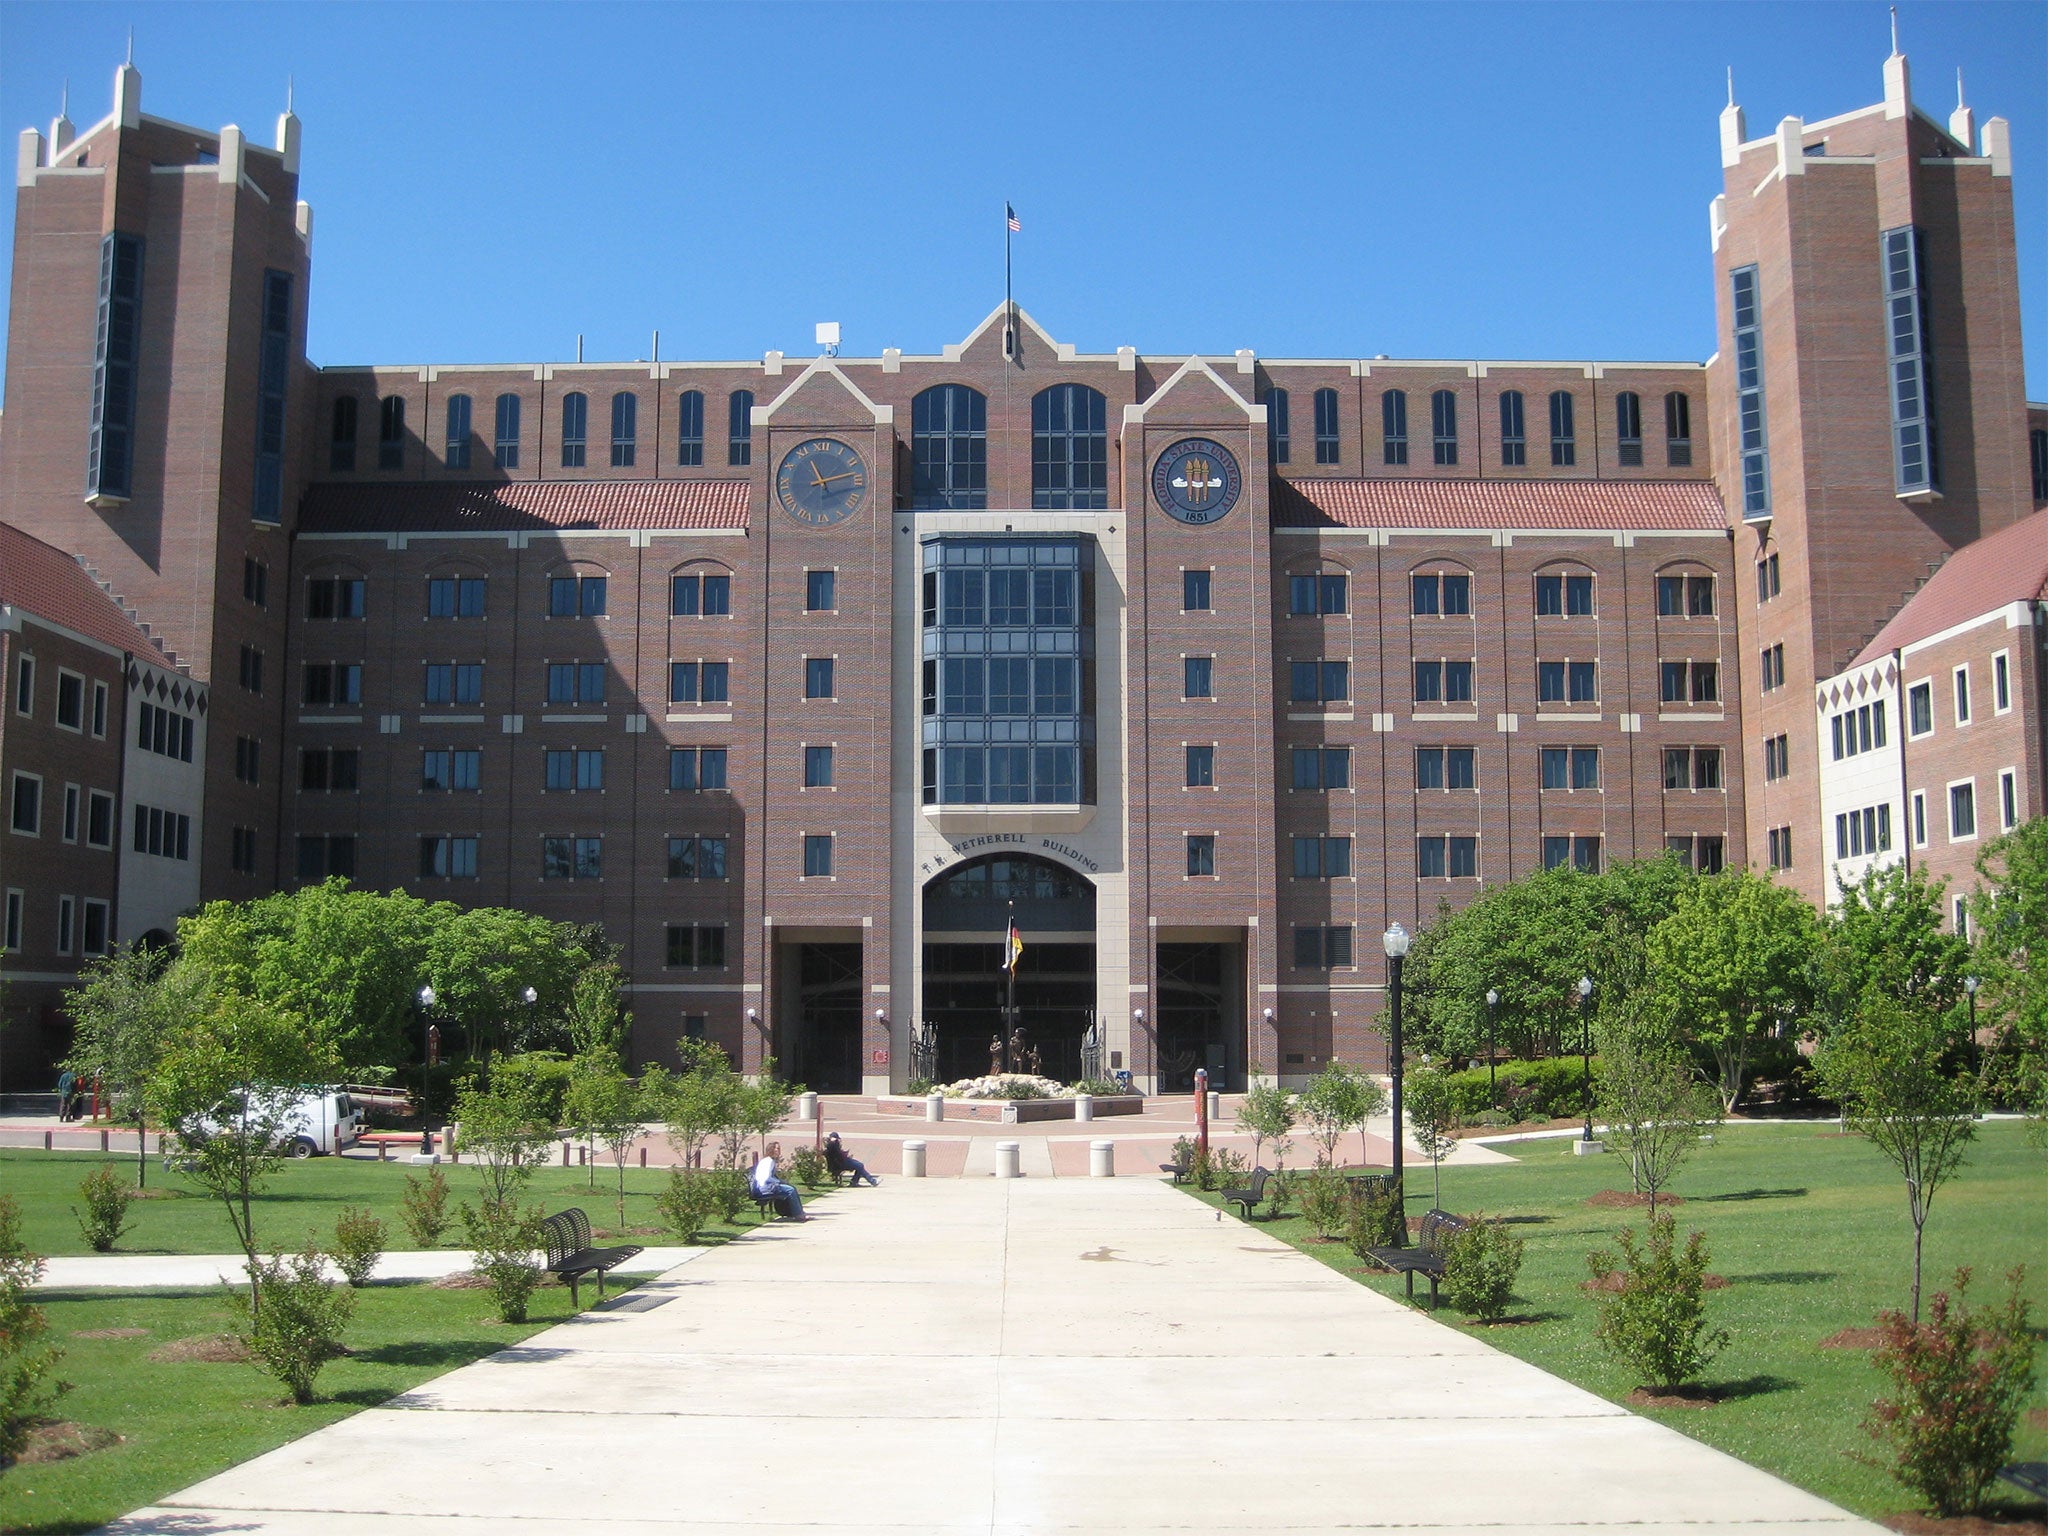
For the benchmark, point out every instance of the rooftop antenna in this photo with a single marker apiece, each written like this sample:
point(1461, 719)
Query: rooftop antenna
point(131, 46)
point(579, 346)
point(64, 101)
point(287, 93)
point(1959, 87)
point(1731, 85)
point(1895, 31)
point(828, 337)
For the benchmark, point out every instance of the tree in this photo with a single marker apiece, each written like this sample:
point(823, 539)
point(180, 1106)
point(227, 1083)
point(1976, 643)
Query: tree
point(604, 1106)
point(124, 1007)
point(1267, 1111)
point(757, 1107)
point(699, 1102)
point(1890, 1068)
point(1651, 1097)
point(594, 1022)
point(1432, 1113)
point(507, 1127)
point(2010, 915)
point(1340, 1098)
point(26, 1391)
point(1734, 961)
point(1886, 929)
point(224, 1084)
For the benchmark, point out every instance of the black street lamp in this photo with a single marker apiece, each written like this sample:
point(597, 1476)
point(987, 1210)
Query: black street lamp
point(1970, 985)
point(1586, 1048)
point(1396, 942)
point(422, 1001)
point(1492, 1014)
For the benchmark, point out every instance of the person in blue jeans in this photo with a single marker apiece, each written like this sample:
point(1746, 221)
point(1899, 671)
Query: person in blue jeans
point(764, 1182)
point(838, 1160)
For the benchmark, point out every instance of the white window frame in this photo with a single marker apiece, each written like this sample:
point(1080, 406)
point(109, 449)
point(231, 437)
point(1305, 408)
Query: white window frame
point(2008, 799)
point(67, 924)
point(106, 923)
point(69, 824)
point(99, 711)
point(113, 819)
point(12, 920)
point(24, 683)
point(57, 702)
point(1975, 819)
point(2001, 682)
point(1965, 707)
point(832, 855)
point(1959, 916)
point(1918, 813)
point(1917, 683)
point(37, 829)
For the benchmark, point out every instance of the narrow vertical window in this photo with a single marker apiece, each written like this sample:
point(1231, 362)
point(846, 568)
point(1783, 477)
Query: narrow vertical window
point(625, 428)
point(1394, 426)
point(1069, 448)
point(1628, 428)
point(1678, 429)
point(391, 432)
point(1564, 450)
point(690, 429)
point(1906, 329)
point(739, 445)
point(2037, 448)
point(1443, 426)
point(273, 375)
point(1278, 436)
point(506, 444)
point(1749, 396)
point(575, 428)
point(1326, 426)
point(341, 437)
point(456, 452)
point(1513, 439)
point(111, 450)
point(949, 447)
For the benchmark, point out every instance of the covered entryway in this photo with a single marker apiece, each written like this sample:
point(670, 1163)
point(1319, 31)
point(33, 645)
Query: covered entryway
point(819, 1029)
point(1201, 1014)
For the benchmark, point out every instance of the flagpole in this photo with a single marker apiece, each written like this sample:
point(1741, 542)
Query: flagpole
point(1010, 986)
point(1009, 305)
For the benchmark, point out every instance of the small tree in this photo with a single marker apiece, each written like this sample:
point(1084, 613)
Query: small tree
point(1267, 1111)
point(1656, 1321)
point(757, 1107)
point(105, 1216)
point(1652, 1100)
point(224, 1085)
point(698, 1102)
point(605, 1107)
point(26, 1390)
point(1481, 1264)
point(299, 1327)
point(594, 1023)
point(1432, 1113)
point(424, 1207)
point(507, 1127)
point(125, 1006)
point(1340, 1098)
point(1889, 1068)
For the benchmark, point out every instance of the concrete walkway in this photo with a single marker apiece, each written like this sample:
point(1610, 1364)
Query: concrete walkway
point(182, 1271)
point(953, 1356)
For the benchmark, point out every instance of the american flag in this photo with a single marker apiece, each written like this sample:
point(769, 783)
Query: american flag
point(1016, 226)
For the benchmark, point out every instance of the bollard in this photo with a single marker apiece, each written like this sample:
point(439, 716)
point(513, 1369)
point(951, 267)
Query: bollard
point(1215, 1106)
point(935, 1106)
point(807, 1106)
point(448, 1135)
point(1084, 1106)
point(565, 1154)
point(913, 1159)
point(643, 1157)
point(383, 1151)
point(1009, 1159)
point(1101, 1159)
point(48, 1144)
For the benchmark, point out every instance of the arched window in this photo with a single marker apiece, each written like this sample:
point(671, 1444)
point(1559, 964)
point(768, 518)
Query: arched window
point(739, 443)
point(625, 428)
point(391, 432)
point(1514, 440)
point(1443, 425)
point(1564, 591)
point(456, 454)
point(1277, 428)
point(1678, 429)
point(1394, 425)
point(1563, 436)
point(1628, 427)
point(1326, 426)
point(949, 447)
point(341, 453)
point(690, 429)
point(575, 428)
point(507, 441)
point(1069, 448)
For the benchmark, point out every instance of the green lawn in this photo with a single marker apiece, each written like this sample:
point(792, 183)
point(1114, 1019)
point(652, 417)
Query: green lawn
point(1809, 1228)
point(301, 1200)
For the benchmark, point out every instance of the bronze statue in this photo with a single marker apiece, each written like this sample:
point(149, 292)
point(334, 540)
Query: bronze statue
point(995, 1056)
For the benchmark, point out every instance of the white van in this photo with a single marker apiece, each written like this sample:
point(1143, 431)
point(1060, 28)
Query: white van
point(310, 1121)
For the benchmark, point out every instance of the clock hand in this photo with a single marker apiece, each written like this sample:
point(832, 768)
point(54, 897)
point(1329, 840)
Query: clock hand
point(847, 474)
point(817, 479)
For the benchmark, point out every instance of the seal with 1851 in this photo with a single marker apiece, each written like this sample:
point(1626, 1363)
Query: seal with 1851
point(1196, 481)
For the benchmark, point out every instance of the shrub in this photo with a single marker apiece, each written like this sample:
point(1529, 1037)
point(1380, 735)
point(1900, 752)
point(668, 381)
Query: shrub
point(105, 1217)
point(687, 1205)
point(1656, 1323)
point(1480, 1266)
point(729, 1192)
point(1959, 1381)
point(295, 1325)
point(26, 1392)
point(1229, 1169)
point(1548, 1089)
point(1098, 1087)
point(1184, 1151)
point(1280, 1191)
point(504, 1236)
point(359, 1240)
point(918, 1087)
point(1322, 1193)
point(1375, 1216)
point(424, 1207)
point(807, 1167)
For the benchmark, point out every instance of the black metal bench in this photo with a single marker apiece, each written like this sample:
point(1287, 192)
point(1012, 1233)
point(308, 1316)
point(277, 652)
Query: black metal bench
point(2030, 1477)
point(1427, 1257)
point(566, 1235)
point(1251, 1195)
point(1179, 1170)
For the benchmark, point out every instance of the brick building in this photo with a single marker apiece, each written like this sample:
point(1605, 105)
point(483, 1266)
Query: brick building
point(803, 676)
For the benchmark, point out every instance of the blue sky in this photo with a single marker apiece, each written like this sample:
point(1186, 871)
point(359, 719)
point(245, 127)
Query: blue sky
point(1446, 180)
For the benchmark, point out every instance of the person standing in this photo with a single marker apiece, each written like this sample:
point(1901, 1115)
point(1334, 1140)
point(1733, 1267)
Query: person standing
point(67, 1093)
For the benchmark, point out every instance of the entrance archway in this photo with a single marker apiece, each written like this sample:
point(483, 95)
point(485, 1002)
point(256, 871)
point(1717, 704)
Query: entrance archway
point(967, 912)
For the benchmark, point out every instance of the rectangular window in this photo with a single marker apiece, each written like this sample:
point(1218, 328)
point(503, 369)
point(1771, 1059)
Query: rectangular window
point(1913, 463)
point(1920, 709)
point(1777, 758)
point(818, 677)
point(25, 685)
point(1771, 666)
point(1778, 841)
point(99, 709)
point(248, 759)
point(572, 858)
point(1320, 682)
point(697, 858)
point(1752, 433)
point(1628, 429)
point(1550, 682)
point(697, 946)
point(1440, 593)
point(1563, 432)
point(1429, 768)
point(1198, 677)
point(391, 432)
point(1430, 859)
point(1514, 442)
point(1322, 767)
point(447, 858)
point(1279, 433)
point(26, 809)
point(97, 934)
point(625, 429)
point(821, 591)
point(1962, 810)
point(70, 700)
point(341, 448)
point(1323, 948)
point(739, 445)
point(1453, 858)
point(163, 834)
point(1962, 695)
point(1394, 426)
point(99, 819)
point(1767, 582)
point(1201, 853)
point(72, 805)
point(110, 452)
point(1194, 591)
point(696, 768)
point(817, 767)
point(164, 732)
point(10, 939)
point(1429, 682)
point(2037, 447)
point(1326, 426)
point(2008, 800)
point(67, 908)
point(817, 854)
point(1919, 817)
point(1322, 858)
point(505, 443)
point(1307, 595)
point(1443, 415)
point(1550, 595)
point(1699, 597)
point(242, 850)
point(2001, 683)
point(1582, 682)
point(455, 450)
point(335, 597)
point(251, 670)
point(1201, 767)
point(1585, 767)
point(1678, 429)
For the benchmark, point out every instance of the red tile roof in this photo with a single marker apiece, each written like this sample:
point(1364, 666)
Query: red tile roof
point(41, 579)
point(566, 504)
point(2010, 566)
point(1422, 502)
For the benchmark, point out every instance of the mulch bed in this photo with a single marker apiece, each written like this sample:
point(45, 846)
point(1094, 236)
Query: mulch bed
point(63, 1440)
point(1617, 1280)
point(1628, 1199)
point(1683, 1397)
point(461, 1280)
point(1962, 1525)
point(110, 1333)
point(214, 1348)
point(1854, 1338)
point(1501, 1322)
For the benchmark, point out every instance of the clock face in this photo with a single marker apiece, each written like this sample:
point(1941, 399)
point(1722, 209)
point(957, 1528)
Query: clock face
point(1196, 481)
point(821, 482)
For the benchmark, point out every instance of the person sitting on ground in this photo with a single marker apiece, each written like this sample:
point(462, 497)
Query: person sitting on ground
point(837, 1162)
point(765, 1184)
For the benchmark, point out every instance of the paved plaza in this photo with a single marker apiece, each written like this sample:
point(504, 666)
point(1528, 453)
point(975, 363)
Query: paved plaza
point(945, 1356)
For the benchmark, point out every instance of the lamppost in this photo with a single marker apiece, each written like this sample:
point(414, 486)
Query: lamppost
point(422, 1001)
point(1396, 941)
point(1586, 1049)
point(1970, 985)
point(1492, 1015)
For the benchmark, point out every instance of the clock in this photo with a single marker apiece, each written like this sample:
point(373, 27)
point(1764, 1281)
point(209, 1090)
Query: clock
point(821, 482)
point(1196, 481)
